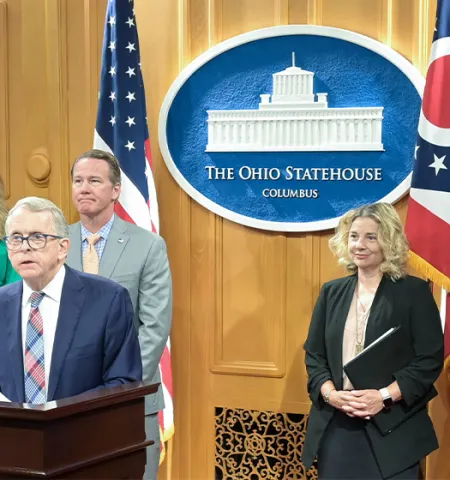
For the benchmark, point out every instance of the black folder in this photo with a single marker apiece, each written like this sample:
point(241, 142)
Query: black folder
point(374, 368)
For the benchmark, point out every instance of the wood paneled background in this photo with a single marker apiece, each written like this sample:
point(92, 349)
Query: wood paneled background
point(243, 297)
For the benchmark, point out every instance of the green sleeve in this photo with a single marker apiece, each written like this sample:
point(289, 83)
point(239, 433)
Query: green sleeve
point(11, 275)
point(7, 273)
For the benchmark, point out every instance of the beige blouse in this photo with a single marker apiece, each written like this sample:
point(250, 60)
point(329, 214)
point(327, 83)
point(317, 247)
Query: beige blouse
point(349, 341)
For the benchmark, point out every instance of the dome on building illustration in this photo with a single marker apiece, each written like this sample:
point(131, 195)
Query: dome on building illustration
point(294, 118)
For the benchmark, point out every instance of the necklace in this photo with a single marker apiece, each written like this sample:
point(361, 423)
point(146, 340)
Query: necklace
point(361, 321)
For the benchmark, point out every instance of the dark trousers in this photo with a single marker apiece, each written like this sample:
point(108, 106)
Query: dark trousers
point(346, 454)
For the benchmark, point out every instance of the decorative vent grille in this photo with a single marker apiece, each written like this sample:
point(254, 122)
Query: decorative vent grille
point(255, 445)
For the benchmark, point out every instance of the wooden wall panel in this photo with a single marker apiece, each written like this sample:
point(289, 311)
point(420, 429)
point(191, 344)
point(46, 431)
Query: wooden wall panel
point(314, 12)
point(16, 104)
point(301, 294)
point(52, 96)
point(202, 286)
point(298, 12)
point(403, 18)
point(423, 32)
point(4, 99)
point(57, 128)
point(239, 16)
point(355, 14)
point(201, 14)
point(281, 12)
point(250, 296)
point(83, 43)
point(33, 60)
point(80, 121)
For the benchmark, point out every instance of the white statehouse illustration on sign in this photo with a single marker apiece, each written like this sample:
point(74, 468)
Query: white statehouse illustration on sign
point(292, 119)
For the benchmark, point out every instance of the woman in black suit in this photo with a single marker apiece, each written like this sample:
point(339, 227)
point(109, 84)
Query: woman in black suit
point(350, 313)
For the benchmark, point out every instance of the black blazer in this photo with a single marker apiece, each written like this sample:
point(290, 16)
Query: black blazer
point(407, 302)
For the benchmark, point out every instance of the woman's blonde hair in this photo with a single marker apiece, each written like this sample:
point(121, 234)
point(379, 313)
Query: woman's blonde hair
point(391, 237)
point(3, 209)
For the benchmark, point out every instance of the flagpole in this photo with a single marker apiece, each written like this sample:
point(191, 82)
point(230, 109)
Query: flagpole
point(169, 456)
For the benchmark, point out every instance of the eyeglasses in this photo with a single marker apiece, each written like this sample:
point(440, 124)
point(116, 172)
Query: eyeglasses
point(36, 241)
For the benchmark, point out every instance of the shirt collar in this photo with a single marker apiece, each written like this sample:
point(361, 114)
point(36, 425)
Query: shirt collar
point(102, 232)
point(52, 289)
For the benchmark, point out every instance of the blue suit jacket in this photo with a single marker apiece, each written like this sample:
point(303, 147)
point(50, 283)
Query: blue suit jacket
point(95, 344)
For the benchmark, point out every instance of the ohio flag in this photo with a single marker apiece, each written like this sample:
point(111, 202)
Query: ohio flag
point(428, 220)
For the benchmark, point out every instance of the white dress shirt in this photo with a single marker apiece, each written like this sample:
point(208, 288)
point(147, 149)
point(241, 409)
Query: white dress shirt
point(49, 309)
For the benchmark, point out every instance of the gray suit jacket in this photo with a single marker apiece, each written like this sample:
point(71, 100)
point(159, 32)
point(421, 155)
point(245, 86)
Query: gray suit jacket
point(137, 259)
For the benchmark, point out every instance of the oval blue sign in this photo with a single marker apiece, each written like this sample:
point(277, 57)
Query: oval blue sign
point(286, 128)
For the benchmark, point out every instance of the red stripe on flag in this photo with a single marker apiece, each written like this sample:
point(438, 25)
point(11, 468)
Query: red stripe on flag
point(151, 221)
point(428, 236)
point(161, 424)
point(166, 370)
point(123, 214)
point(153, 225)
point(148, 153)
point(436, 100)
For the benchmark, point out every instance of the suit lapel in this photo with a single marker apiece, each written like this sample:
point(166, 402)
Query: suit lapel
point(13, 314)
point(72, 300)
point(117, 240)
point(74, 257)
point(380, 312)
point(341, 309)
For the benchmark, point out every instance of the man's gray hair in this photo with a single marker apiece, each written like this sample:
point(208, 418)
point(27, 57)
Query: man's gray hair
point(37, 204)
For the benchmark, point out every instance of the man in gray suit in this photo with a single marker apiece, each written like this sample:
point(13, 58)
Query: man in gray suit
point(133, 257)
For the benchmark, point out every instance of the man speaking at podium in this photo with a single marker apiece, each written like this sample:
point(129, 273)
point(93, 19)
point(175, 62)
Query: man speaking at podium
point(63, 332)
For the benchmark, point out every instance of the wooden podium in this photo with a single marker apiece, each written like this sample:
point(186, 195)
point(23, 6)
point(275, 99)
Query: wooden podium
point(98, 434)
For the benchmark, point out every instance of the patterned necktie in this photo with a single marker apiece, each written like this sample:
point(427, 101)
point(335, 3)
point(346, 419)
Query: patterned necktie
point(34, 365)
point(91, 260)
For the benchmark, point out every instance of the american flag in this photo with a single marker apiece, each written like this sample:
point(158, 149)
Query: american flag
point(428, 220)
point(122, 129)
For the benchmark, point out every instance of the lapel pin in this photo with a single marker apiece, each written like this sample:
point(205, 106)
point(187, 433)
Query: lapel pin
point(121, 240)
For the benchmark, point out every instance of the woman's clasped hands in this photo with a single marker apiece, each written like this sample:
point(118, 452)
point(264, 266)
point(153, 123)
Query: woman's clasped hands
point(357, 403)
